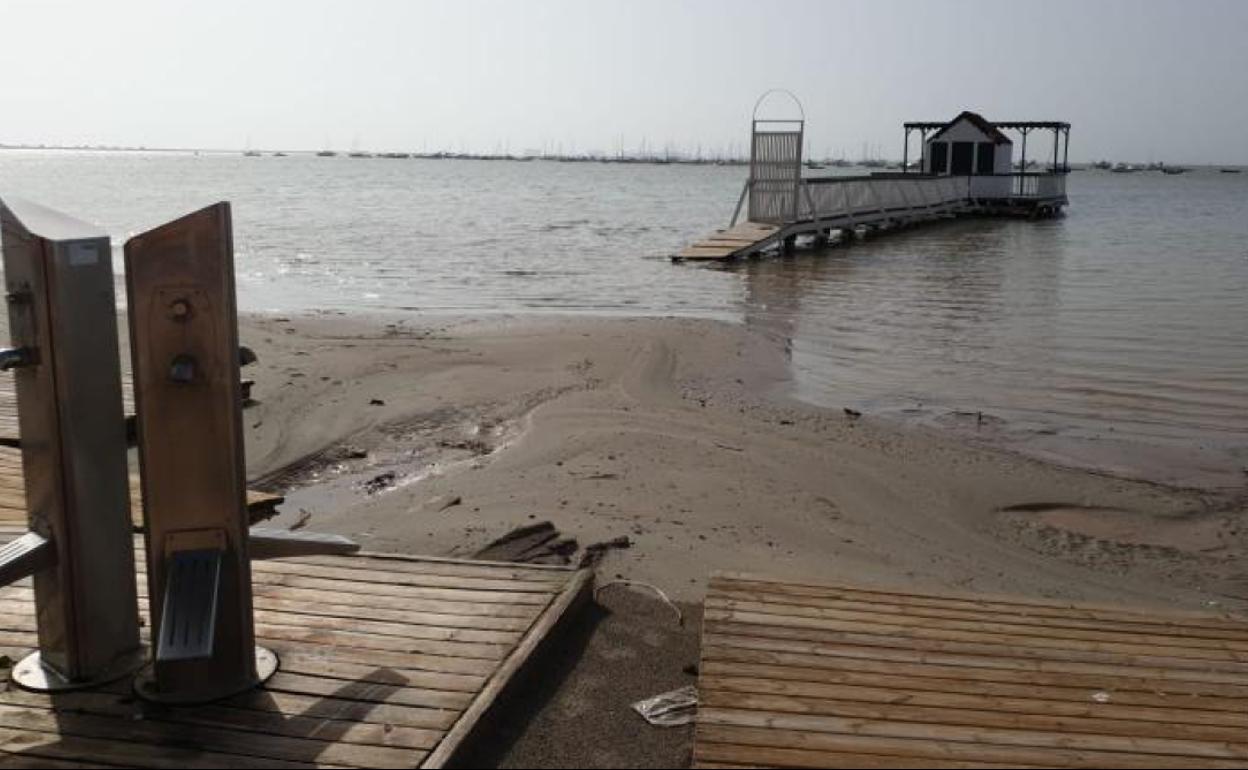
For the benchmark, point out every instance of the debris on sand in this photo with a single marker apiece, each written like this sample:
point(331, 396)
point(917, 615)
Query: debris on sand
point(442, 502)
point(852, 413)
point(376, 402)
point(304, 517)
point(379, 482)
point(476, 446)
point(594, 553)
point(531, 544)
point(670, 709)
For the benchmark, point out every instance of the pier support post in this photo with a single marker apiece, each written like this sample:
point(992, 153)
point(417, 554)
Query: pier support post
point(67, 374)
point(183, 333)
point(789, 245)
point(184, 343)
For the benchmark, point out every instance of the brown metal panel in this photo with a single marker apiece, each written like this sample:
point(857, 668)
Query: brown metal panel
point(184, 343)
point(62, 305)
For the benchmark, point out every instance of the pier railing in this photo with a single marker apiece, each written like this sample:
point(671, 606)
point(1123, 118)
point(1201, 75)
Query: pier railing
point(1028, 185)
point(834, 198)
point(847, 200)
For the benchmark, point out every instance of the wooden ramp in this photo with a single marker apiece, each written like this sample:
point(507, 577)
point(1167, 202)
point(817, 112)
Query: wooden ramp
point(741, 239)
point(797, 674)
point(385, 662)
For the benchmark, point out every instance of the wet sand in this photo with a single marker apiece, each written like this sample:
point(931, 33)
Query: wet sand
point(676, 433)
point(436, 437)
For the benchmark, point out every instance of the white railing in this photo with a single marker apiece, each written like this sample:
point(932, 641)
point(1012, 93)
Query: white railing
point(848, 199)
point(832, 198)
point(1026, 186)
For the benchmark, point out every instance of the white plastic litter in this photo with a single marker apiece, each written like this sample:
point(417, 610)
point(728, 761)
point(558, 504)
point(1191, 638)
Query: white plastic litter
point(1101, 697)
point(670, 709)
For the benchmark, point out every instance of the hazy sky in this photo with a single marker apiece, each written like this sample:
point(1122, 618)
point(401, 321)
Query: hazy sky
point(1139, 80)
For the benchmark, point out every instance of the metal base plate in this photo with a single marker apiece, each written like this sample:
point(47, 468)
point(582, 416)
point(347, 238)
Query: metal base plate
point(31, 674)
point(145, 684)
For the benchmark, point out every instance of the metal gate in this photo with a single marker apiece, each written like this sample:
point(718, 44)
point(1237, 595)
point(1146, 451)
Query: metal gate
point(775, 165)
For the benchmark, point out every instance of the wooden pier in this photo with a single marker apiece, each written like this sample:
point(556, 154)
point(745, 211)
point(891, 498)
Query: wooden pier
point(801, 674)
point(972, 178)
point(386, 661)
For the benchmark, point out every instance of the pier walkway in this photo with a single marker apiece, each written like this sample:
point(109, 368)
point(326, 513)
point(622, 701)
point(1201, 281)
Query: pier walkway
point(969, 176)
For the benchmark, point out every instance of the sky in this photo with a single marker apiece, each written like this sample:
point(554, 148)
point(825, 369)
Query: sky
point(1139, 81)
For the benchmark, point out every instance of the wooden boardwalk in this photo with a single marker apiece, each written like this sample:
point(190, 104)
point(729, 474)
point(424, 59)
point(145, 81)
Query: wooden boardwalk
point(745, 238)
point(10, 433)
point(261, 505)
point(385, 662)
point(796, 674)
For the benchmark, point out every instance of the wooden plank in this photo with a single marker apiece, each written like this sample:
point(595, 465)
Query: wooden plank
point(362, 573)
point(919, 751)
point(901, 705)
point(1162, 647)
point(1194, 635)
point(708, 755)
point(1008, 659)
point(988, 682)
point(802, 675)
point(990, 646)
point(261, 505)
point(1056, 608)
point(475, 718)
point(40, 744)
point(342, 721)
point(901, 730)
point(707, 252)
point(430, 565)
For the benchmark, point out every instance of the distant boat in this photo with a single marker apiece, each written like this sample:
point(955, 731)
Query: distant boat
point(1173, 170)
point(1125, 168)
point(251, 154)
point(1228, 170)
point(326, 154)
point(279, 154)
point(1103, 165)
point(813, 165)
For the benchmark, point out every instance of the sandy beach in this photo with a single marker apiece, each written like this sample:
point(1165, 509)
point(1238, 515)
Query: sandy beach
point(439, 436)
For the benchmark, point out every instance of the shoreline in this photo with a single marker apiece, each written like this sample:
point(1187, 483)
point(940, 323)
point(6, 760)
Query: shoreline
point(679, 434)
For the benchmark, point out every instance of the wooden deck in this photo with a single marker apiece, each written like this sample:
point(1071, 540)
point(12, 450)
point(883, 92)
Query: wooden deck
point(806, 675)
point(261, 505)
point(10, 433)
point(745, 238)
point(385, 662)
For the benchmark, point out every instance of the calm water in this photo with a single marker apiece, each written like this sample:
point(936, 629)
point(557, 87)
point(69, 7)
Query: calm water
point(1126, 319)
